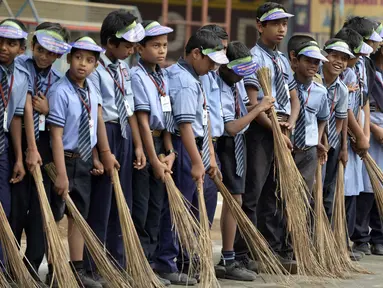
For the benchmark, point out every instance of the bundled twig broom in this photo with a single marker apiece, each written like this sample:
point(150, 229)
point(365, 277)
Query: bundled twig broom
point(102, 258)
point(257, 244)
point(12, 256)
point(340, 224)
point(293, 192)
point(56, 249)
point(3, 281)
point(137, 265)
point(184, 223)
point(207, 272)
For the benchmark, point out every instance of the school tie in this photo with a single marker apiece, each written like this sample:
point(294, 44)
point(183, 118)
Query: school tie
point(281, 93)
point(238, 139)
point(36, 115)
point(205, 139)
point(119, 100)
point(4, 85)
point(358, 93)
point(333, 138)
point(84, 142)
point(300, 126)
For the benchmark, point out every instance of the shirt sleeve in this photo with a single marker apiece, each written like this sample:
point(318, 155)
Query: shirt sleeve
point(95, 79)
point(141, 99)
point(19, 111)
point(342, 105)
point(290, 77)
point(184, 104)
point(58, 105)
point(228, 106)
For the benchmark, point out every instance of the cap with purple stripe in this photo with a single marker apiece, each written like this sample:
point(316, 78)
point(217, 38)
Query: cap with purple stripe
point(363, 49)
point(340, 46)
point(216, 54)
point(11, 30)
point(134, 33)
point(312, 51)
point(275, 14)
point(52, 41)
point(87, 43)
point(243, 66)
point(156, 29)
point(374, 37)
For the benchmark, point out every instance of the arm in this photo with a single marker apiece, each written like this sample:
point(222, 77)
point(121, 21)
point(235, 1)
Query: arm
point(168, 143)
point(366, 128)
point(262, 118)
point(295, 107)
point(16, 131)
point(343, 155)
point(362, 142)
point(322, 149)
point(140, 161)
point(213, 170)
point(321, 127)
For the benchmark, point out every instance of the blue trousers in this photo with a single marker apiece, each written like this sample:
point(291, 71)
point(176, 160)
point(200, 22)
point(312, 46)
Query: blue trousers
point(103, 214)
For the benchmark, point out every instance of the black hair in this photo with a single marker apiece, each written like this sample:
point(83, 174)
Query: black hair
point(147, 38)
point(217, 30)
point(350, 36)
point(362, 25)
point(114, 22)
point(202, 39)
point(266, 7)
point(376, 24)
point(74, 50)
point(237, 50)
point(22, 26)
point(297, 40)
point(55, 27)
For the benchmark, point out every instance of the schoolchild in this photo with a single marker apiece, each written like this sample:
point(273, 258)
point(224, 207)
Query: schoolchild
point(191, 139)
point(259, 201)
point(49, 43)
point(76, 127)
point(119, 33)
point(231, 148)
point(14, 86)
point(151, 93)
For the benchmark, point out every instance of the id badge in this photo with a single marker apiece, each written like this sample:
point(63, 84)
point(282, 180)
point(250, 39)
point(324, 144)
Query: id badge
point(91, 127)
point(287, 90)
point(204, 117)
point(42, 122)
point(127, 107)
point(5, 123)
point(165, 103)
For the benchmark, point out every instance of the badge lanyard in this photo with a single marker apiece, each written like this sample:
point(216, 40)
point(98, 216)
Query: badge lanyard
point(121, 87)
point(308, 95)
point(6, 101)
point(87, 107)
point(161, 89)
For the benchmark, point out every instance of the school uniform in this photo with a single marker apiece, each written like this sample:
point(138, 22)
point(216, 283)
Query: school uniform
point(313, 108)
point(260, 201)
point(149, 192)
point(188, 106)
point(113, 82)
point(337, 96)
point(26, 212)
point(15, 85)
point(368, 225)
point(75, 109)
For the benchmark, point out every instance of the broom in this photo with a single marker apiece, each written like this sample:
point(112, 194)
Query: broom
point(56, 249)
point(257, 244)
point(207, 272)
point(184, 223)
point(137, 265)
point(102, 258)
point(293, 192)
point(12, 255)
point(340, 225)
point(3, 281)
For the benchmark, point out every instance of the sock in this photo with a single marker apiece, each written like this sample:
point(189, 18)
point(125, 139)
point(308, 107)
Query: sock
point(241, 255)
point(77, 265)
point(228, 257)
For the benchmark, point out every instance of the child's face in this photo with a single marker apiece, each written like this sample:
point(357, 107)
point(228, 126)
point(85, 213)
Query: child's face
point(202, 64)
point(43, 57)
point(155, 50)
point(352, 62)
point(9, 50)
point(122, 51)
point(273, 31)
point(307, 66)
point(228, 75)
point(82, 63)
point(337, 62)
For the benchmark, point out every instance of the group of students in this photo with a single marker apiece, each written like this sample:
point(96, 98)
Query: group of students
point(207, 116)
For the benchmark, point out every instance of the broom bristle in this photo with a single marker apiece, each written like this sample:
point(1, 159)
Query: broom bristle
point(12, 256)
point(293, 192)
point(102, 258)
point(137, 265)
point(207, 272)
point(3, 281)
point(257, 244)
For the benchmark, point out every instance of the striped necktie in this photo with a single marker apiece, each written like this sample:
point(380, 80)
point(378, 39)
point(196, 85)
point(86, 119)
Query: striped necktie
point(205, 139)
point(281, 93)
point(300, 126)
point(5, 87)
point(36, 115)
point(238, 139)
point(358, 93)
point(333, 138)
point(84, 142)
point(119, 100)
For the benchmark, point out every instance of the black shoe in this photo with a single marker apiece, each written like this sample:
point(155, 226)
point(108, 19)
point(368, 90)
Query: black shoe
point(84, 280)
point(177, 278)
point(355, 255)
point(248, 263)
point(236, 271)
point(220, 271)
point(288, 263)
point(95, 276)
point(164, 282)
point(377, 249)
point(362, 247)
point(50, 282)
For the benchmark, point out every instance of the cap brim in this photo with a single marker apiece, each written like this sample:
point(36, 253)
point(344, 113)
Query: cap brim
point(366, 49)
point(343, 50)
point(12, 33)
point(278, 15)
point(245, 69)
point(52, 44)
point(375, 37)
point(135, 34)
point(315, 54)
point(158, 31)
point(85, 45)
point(218, 57)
